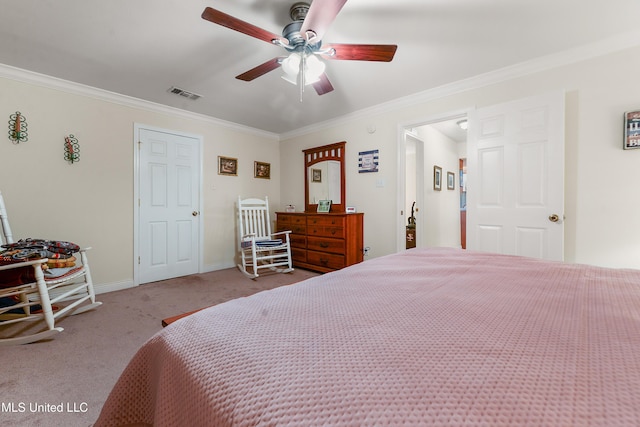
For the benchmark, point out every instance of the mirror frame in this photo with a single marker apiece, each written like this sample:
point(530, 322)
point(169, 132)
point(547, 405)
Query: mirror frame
point(315, 155)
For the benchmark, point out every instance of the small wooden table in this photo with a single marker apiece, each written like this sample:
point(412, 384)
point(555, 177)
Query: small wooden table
point(169, 320)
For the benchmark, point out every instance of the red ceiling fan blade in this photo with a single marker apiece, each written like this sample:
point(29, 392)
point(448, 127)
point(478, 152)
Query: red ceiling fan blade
point(323, 85)
point(236, 24)
point(320, 15)
point(361, 52)
point(261, 69)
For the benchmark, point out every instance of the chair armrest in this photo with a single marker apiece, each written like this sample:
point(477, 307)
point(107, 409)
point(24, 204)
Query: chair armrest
point(281, 232)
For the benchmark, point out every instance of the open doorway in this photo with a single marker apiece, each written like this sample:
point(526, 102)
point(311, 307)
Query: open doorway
point(431, 197)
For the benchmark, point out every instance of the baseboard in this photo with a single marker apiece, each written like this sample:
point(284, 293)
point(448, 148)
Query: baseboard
point(126, 284)
point(215, 267)
point(103, 288)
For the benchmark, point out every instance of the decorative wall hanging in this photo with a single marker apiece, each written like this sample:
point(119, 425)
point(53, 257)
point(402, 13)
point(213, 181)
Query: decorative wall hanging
point(262, 170)
point(451, 181)
point(368, 161)
point(71, 149)
point(437, 178)
point(18, 128)
point(227, 166)
point(631, 130)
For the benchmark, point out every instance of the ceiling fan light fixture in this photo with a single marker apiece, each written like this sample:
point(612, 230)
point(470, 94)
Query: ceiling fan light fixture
point(312, 71)
point(291, 64)
point(314, 68)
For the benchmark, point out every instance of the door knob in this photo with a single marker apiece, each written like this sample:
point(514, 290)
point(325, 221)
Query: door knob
point(554, 218)
point(194, 213)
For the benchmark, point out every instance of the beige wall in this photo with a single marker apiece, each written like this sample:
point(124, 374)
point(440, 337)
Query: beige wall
point(601, 202)
point(91, 202)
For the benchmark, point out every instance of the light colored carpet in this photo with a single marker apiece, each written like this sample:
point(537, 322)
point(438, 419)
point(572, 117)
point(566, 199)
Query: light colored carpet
point(76, 370)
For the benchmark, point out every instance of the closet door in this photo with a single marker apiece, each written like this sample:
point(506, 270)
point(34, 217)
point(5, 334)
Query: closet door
point(169, 211)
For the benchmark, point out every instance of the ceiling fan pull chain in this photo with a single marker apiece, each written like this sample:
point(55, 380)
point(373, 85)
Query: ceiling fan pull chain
point(303, 63)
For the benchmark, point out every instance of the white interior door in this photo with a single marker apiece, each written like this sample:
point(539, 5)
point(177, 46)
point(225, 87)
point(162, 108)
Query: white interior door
point(169, 205)
point(515, 173)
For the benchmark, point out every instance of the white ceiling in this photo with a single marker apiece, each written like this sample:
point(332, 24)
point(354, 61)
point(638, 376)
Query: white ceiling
point(141, 48)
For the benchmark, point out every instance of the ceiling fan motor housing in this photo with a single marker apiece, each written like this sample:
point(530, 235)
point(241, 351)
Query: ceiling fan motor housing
point(299, 11)
point(291, 32)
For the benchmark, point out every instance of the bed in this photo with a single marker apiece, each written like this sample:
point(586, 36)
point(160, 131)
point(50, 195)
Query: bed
point(435, 336)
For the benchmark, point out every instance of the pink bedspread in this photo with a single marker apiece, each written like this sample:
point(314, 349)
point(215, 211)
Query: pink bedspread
point(438, 337)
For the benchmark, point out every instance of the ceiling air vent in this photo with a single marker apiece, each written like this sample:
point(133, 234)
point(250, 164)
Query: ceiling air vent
point(184, 93)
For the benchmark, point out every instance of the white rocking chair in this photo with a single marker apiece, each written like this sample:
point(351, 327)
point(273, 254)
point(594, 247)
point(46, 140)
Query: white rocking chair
point(43, 290)
point(259, 247)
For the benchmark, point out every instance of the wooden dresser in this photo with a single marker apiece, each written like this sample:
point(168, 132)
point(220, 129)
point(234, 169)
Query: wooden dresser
point(323, 241)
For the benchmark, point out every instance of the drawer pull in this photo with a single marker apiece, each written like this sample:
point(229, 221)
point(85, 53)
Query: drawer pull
point(324, 245)
point(324, 262)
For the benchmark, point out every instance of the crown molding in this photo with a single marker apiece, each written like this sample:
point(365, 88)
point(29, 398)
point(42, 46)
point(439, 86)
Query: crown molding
point(582, 53)
point(49, 82)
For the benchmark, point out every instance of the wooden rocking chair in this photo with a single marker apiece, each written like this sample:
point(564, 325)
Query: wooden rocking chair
point(259, 247)
point(29, 294)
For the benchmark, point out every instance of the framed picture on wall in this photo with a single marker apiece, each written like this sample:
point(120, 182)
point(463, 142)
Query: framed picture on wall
point(631, 130)
point(262, 170)
point(451, 180)
point(437, 178)
point(227, 166)
point(368, 161)
point(316, 175)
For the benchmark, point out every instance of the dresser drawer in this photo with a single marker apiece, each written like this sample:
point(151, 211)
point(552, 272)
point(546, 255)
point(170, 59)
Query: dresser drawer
point(298, 229)
point(336, 246)
point(292, 219)
point(298, 254)
point(326, 220)
point(326, 260)
point(298, 241)
point(318, 230)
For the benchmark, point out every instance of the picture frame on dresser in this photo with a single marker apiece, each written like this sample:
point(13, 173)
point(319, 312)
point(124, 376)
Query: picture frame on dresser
point(324, 206)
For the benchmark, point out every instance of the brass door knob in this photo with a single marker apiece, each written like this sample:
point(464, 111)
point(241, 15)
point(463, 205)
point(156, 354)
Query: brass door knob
point(194, 213)
point(554, 218)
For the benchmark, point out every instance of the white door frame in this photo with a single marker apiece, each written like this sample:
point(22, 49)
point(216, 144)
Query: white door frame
point(402, 129)
point(136, 195)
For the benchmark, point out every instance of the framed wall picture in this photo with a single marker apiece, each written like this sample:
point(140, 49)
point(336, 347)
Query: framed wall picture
point(227, 166)
point(262, 170)
point(368, 161)
point(451, 180)
point(437, 178)
point(631, 130)
point(324, 206)
point(316, 175)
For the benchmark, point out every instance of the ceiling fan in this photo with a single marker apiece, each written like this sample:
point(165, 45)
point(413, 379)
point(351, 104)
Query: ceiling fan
point(302, 39)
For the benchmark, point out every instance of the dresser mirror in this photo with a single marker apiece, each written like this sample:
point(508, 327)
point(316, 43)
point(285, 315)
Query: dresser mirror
point(324, 177)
